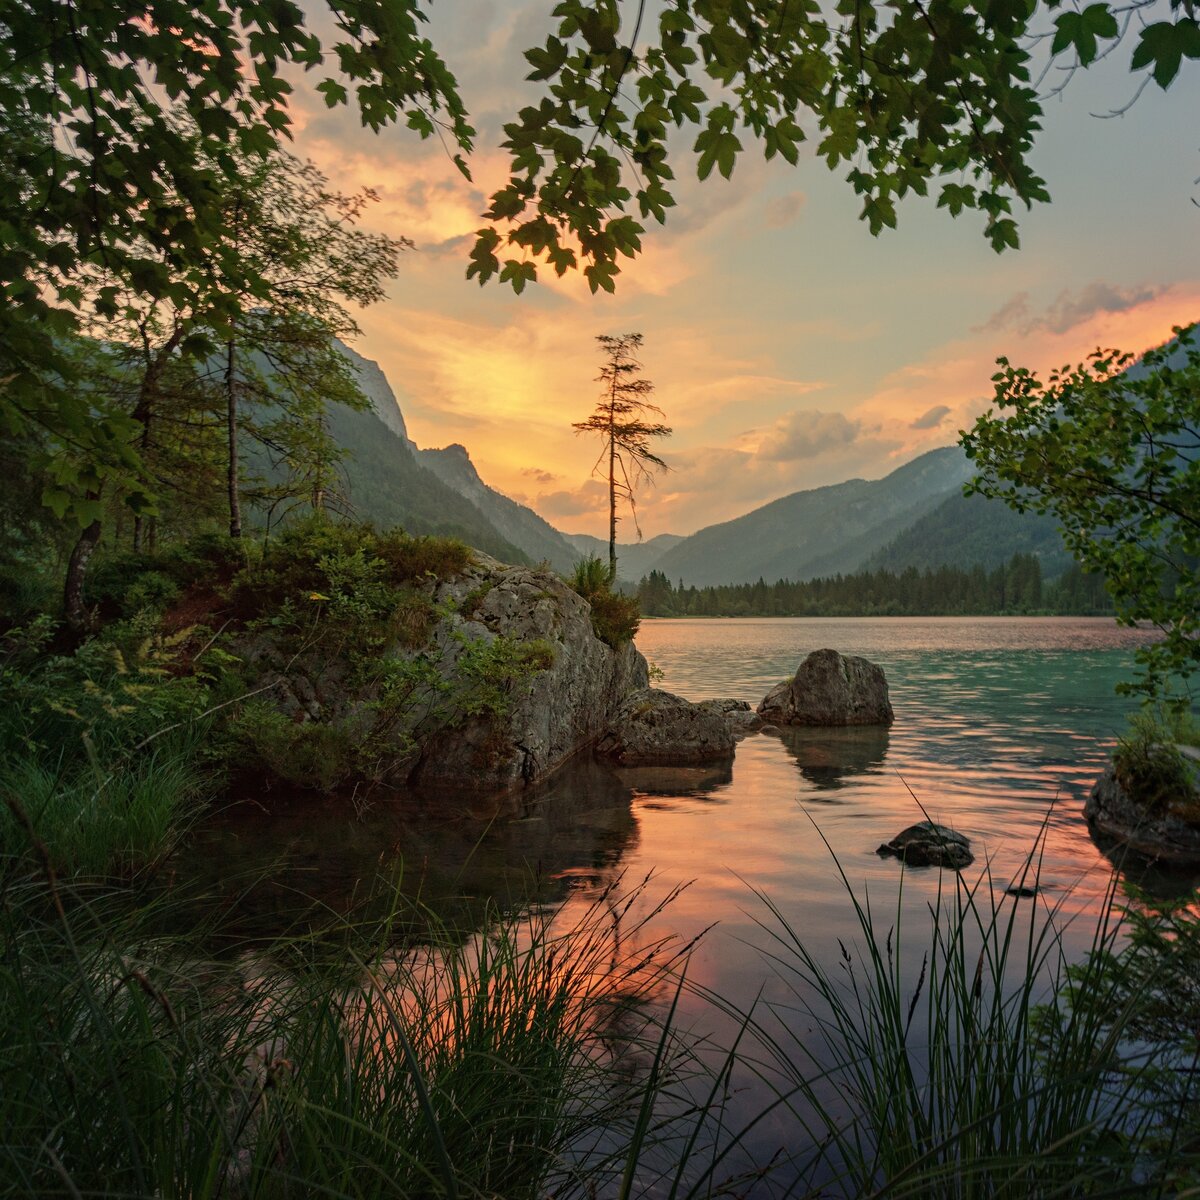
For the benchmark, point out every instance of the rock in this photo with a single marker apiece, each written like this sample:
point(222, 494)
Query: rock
point(1160, 834)
point(741, 718)
point(830, 689)
point(464, 721)
point(553, 714)
point(930, 845)
point(652, 726)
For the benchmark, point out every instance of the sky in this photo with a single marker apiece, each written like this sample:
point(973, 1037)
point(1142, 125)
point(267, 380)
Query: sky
point(788, 347)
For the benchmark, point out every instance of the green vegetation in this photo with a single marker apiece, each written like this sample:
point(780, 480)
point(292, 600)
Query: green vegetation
point(475, 1065)
point(1112, 450)
point(1151, 768)
point(1016, 587)
point(615, 616)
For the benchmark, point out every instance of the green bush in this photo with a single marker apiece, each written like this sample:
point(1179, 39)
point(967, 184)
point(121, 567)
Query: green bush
point(1151, 769)
point(615, 617)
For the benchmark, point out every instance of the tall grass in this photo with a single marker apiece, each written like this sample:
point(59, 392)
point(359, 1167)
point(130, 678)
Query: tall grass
point(490, 1067)
point(976, 1063)
point(96, 820)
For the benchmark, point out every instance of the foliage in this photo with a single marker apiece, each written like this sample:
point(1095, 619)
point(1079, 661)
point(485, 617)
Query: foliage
point(620, 418)
point(615, 617)
point(1114, 454)
point(116, 815)
point(1014, 587)
point(1152, 769)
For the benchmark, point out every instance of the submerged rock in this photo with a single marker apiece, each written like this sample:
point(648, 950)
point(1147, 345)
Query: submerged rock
point(929, 845)
point(830, 689)
point(1157, 832)
point(653, 726)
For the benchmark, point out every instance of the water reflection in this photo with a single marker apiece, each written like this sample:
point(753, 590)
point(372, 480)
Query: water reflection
point(1155, 878)
point(829, 758)
point(704, 781)
point(287, 861)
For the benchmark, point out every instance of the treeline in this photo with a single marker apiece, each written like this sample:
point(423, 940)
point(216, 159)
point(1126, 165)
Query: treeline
point(1015, 587)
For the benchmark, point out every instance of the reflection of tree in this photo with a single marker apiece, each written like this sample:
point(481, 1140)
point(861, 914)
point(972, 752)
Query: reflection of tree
point(298, 860)
point(827, 757)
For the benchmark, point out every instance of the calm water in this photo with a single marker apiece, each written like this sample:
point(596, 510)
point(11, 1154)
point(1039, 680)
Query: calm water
point(1002, 725)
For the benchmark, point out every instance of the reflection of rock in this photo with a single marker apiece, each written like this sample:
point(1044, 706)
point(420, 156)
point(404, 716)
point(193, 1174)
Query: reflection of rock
point(828, 757)
point(928, 845)
point(304, 859)
point(741, 718)
point(678, 780)
point(1157, 834)
point(657, 727)
point(830, 689)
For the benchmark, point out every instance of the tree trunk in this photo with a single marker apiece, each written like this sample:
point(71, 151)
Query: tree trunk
point(235, 504)
point(612, 509)
point(77, 565)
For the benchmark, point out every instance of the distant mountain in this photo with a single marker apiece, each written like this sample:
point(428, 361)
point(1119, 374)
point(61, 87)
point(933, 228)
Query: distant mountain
point(393, 482)
point(817, 532)
point(634, 559)
point(964, 530)
point(386, 484)
point(520, 525)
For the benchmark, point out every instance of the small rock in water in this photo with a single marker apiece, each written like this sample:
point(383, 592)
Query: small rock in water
point(1020, 890)
point(930, 845)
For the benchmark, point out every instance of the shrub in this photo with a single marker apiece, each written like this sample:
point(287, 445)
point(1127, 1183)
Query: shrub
point(1150, 767)
point(615, 617)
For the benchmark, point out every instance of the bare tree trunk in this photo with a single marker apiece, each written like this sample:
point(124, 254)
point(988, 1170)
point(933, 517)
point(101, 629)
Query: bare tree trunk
point(612, 508)
point(77, 565)
point(231, 395)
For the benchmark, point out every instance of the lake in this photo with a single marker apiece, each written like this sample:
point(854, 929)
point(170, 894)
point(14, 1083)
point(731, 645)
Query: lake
point(1002, 725)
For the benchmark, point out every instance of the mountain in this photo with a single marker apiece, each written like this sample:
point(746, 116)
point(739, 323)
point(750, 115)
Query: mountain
point(634, 559)
point(818, 532)
point(965, 530)
point(393, 482)
point(520, 525)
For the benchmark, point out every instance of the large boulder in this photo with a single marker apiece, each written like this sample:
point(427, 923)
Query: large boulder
point(493, 679)
point(652, 726)
point(552, 714)
point(830, 689)
point(1167, 833)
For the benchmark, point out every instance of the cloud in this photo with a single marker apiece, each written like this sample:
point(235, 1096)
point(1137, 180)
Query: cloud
point(783, 210)
point(588, 498)
point(801, 434)
point(1069, 308)
point(540, 476)
point(932, 419)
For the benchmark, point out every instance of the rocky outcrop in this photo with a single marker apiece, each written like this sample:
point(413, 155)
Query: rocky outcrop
point(738, 715)
point(554, 712)
point(1155, 833)
point(928, 845)
point(493, 680)
point(830, 689)
point(652, 726)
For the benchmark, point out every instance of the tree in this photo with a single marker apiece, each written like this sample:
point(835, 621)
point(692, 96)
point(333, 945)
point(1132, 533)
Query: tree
point(620, 419)
point(1113, 451)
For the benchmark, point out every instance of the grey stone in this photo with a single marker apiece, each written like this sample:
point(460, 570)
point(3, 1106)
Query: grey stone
point(1164, 835)
point(652, 726)
point(830, 689)
point(928, 845)
point(738, 714)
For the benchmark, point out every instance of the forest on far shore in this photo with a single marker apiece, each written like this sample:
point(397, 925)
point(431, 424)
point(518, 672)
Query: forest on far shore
point(1016, 587)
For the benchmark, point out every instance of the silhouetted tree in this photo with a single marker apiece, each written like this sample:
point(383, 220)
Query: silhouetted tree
point(621, 420)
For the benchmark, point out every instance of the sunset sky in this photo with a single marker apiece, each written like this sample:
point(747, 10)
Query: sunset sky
point(789, 348)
